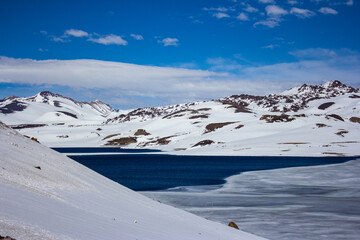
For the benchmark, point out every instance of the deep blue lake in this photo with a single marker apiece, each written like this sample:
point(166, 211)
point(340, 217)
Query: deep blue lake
point(144, 172)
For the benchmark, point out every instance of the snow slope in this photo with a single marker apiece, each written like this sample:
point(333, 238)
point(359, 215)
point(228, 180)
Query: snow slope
point(45, 195)
point(320, 120)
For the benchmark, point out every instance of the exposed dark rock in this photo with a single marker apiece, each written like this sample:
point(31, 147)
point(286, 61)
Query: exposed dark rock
point(111, 135)
point(180, 113)
point(277, 118)
point(21, 126)
point(38, 167)
point(239, 126)
point(63, 136)
point(213, 126)
point(122, 141)
point(354, 96)
point(14, 106)
point(203, 109)
point(159, 141)
point(69, 114)
point(199, 116)
point(233, 225)
point(325, 105)
point(342, 132)
point(204, 142)
point(335, 116)
point(355, 119)
point(141, 132)
point(320, 125)
point(6, 238)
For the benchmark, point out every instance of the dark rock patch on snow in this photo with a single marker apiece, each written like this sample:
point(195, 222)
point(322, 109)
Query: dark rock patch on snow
point(21, 126)
point(277, 118)
point(213, 126)
point(15, 106)
point(355, 119)
point(68, 114)
point(204, 143)
point(141, 132)
point(325, 105)
point(335, 116)
point(121, 141)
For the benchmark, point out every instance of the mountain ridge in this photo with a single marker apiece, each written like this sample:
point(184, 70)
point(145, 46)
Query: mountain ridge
point(316, 120)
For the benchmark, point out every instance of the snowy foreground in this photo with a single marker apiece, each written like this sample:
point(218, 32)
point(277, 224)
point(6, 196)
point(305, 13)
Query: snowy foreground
point(303, 203)
point(45, 195)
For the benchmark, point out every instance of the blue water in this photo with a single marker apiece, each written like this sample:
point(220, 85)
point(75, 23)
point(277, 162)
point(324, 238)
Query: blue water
point(102, 150)
point(145, 172)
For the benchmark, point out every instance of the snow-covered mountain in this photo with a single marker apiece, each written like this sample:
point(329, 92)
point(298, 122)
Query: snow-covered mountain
point(46, 107)
point(45, 195)
point(319, 120)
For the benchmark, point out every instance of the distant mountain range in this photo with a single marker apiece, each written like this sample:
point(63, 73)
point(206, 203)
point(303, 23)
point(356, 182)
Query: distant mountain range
point(318, 120)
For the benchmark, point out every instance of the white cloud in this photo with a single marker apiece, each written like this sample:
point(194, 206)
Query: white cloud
point(43, 32)
point(273, 10)
point(271, 46)
point(267, 1)
point(349, 3)
point(327, 10)
point(292, 2)
point(116, 81)
point(58, 39)
point(316, 53)
point(270, 22)
point(220, 9)
point(220, 15)
point(243, 17)
point(137, 36)
point(76, 33)
point(250, 9)
point(169, 41)
point(302, 13)
point(109, 39)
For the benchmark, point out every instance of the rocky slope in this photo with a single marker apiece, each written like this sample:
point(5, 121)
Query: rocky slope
point(306, 120)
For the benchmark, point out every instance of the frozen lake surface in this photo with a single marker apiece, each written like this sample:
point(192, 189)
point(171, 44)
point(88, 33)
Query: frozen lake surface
point(307, 203)
point(289, 199)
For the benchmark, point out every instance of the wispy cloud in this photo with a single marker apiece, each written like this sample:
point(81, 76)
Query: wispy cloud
point(113, 81)
point(137, 36)
point(92, 37)
point(349, 3)
point(267, 1)
point(109, 39)
point(292, 2)
point(169, 41)
point(76, 33)
point(243, 17)
point(219, 9)
point(322, 53)
point(275, 11)
point(220, 15)
point(271, 46)
point(250, 9)
point(270, 22)
point(327, 10)
point(302, 13)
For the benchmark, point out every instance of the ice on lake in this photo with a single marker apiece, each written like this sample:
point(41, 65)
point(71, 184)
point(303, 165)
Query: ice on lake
point(312, 203)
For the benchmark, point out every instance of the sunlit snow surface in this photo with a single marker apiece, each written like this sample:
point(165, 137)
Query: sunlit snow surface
point(321, 202)
point(45, 195)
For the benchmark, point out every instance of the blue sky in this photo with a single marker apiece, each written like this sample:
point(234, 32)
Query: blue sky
point(146, 53)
